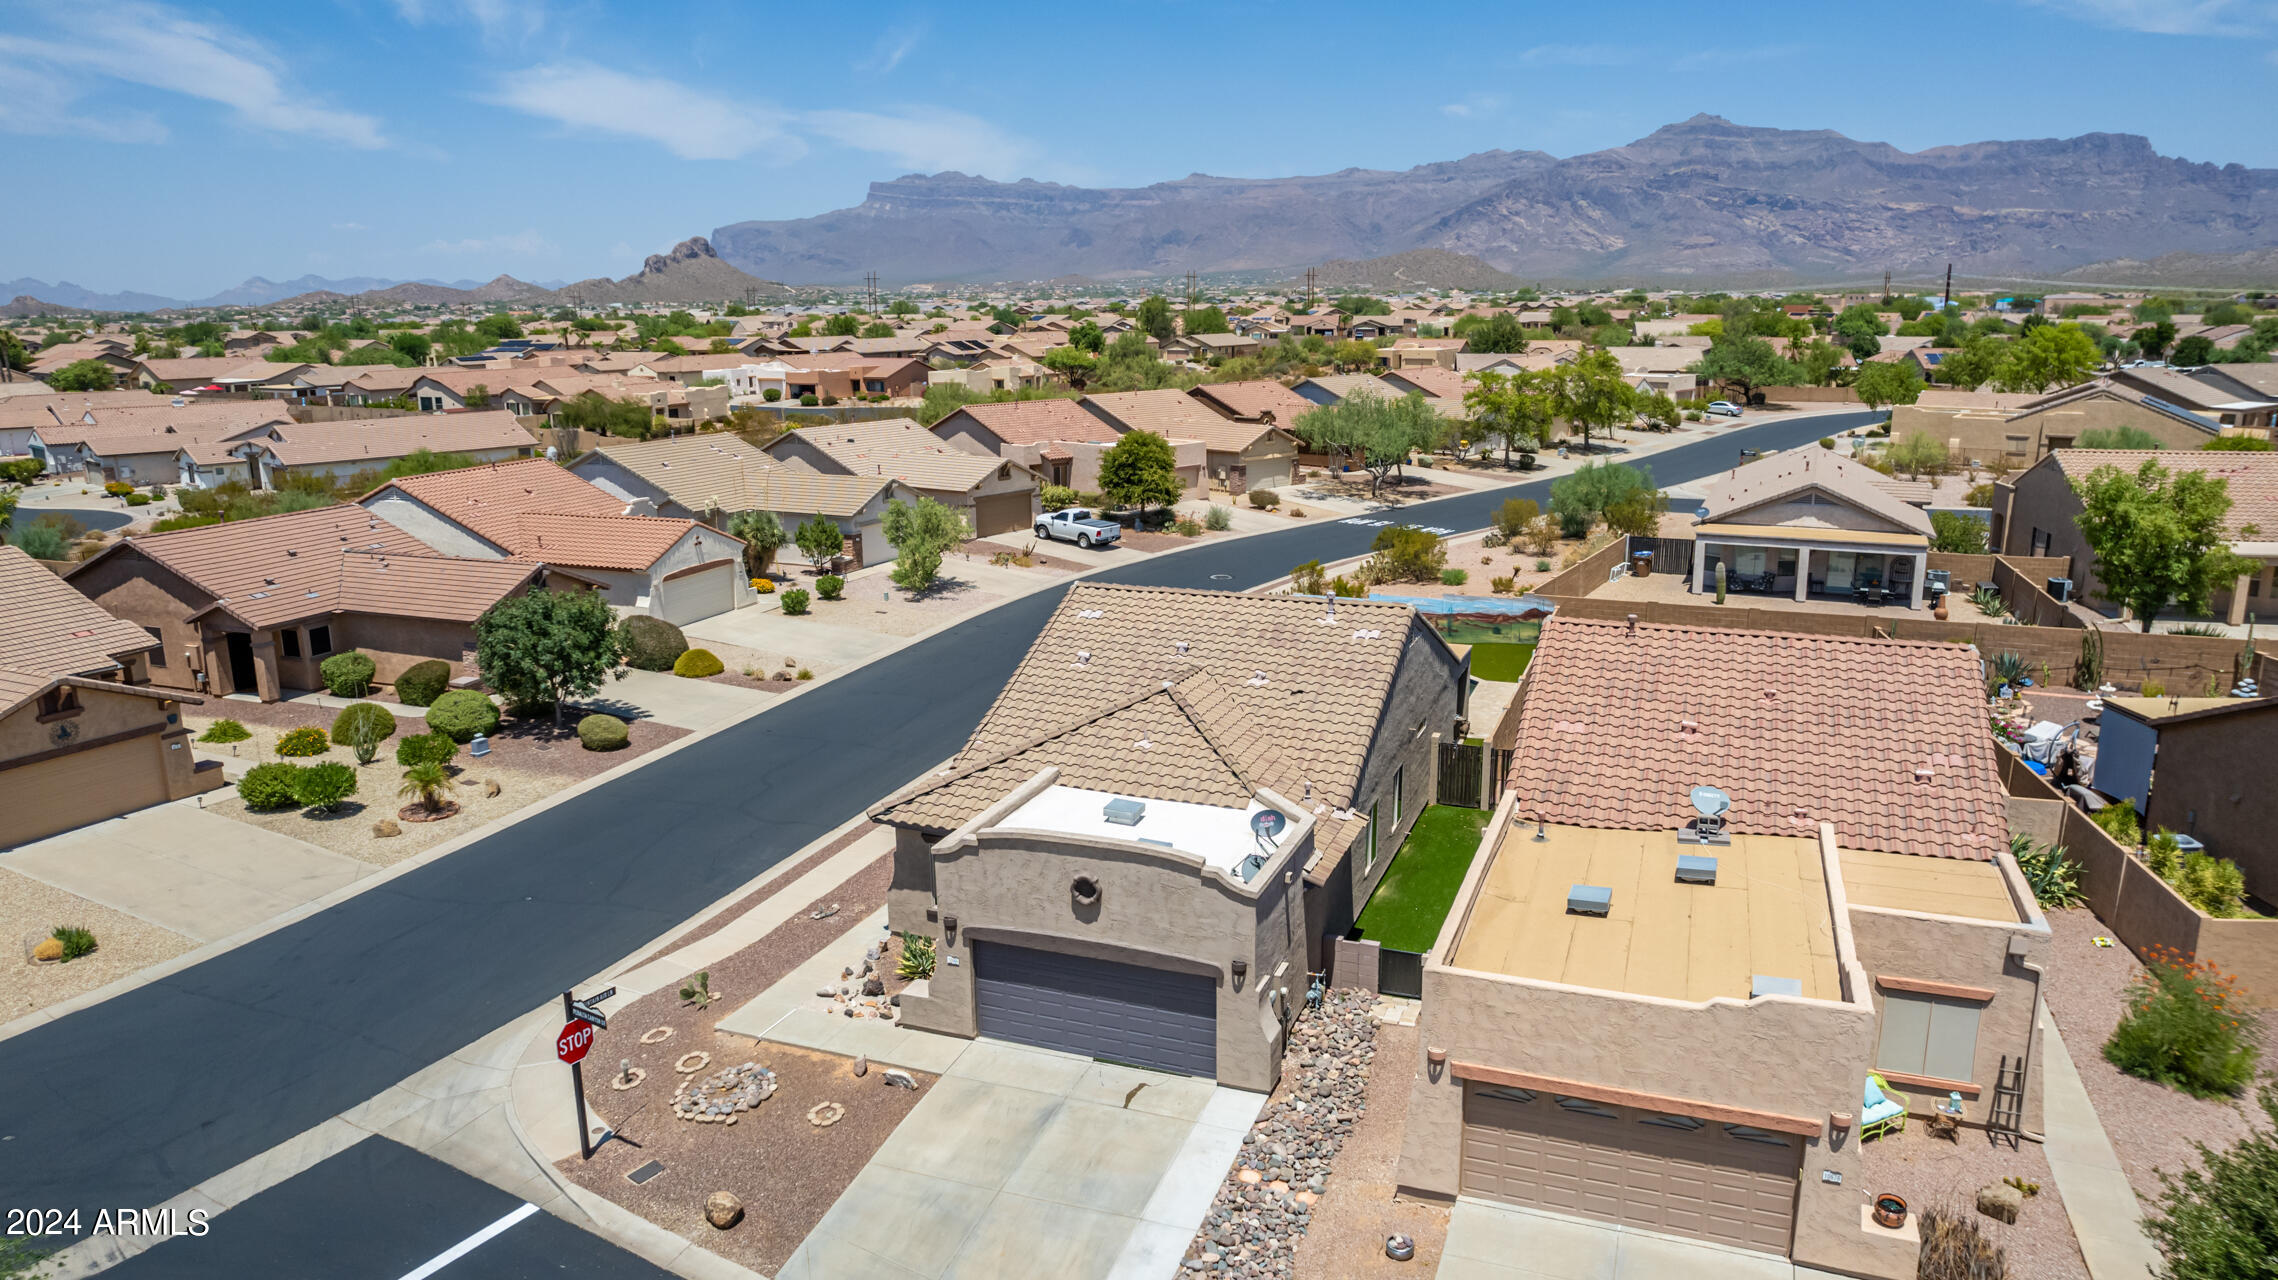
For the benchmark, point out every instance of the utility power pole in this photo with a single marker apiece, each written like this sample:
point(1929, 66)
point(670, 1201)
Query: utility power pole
point(1312, 282)
point(1949, 284)
point(1190, 289)
point(871, 281)
point(1886, 284)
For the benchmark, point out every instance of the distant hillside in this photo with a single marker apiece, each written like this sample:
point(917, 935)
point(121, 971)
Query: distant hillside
point(691, 273)
point(1415, 269)
point(63, 293)
point(24, 305)
point(2203, 270)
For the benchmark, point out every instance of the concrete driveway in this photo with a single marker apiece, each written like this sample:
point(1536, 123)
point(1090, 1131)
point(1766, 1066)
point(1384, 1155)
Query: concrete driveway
point(181, 868)
point(661, 696)
point(1504, 1242)
point(1027, 1162)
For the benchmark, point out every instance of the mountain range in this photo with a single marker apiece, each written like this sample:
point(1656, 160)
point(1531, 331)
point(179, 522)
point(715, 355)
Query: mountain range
point(690, 272)
point(255, 292)
point(1704, 201)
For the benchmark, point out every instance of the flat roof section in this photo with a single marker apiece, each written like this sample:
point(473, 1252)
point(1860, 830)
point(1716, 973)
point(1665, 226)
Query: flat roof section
point(1938, 886)
point(1766, 914)
point(1221, 837)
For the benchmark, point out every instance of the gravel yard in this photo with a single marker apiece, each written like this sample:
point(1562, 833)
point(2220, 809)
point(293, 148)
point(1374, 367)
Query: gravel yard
point(2151, 1126)
point(1932, 1171)
point(31, 909)
point(1358, 1211)
point(876, 604)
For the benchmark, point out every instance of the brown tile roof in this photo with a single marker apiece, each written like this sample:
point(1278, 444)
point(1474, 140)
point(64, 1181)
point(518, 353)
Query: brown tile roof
point(377, 441)
point(52, 630)
point(32, 410)
point(1039, 422)
point(900, 449)
point(1435, 382)
point(717, 469)
point(1799, 471)
point(1253, 400)
point(538, 511)
point(157, 424)
point(1797, 729)
point(2252, 479)
point(1174, 415)
point(193, 371)
point(1342, 385)
point(18, 687)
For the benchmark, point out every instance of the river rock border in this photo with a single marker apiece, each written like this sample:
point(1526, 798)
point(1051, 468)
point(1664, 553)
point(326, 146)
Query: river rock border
point(1267, 1200)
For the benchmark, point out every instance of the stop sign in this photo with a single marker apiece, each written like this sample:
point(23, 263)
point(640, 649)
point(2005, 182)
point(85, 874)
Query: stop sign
point(575, 1039)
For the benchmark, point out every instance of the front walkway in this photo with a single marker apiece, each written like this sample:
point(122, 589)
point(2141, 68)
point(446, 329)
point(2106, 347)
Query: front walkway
point(2106, 1217)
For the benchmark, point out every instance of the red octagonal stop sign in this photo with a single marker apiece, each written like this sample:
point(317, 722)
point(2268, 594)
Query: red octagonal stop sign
point(575, 1039)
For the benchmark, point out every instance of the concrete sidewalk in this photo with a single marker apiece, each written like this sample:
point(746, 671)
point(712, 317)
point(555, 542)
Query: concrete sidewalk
point(2106, 1217)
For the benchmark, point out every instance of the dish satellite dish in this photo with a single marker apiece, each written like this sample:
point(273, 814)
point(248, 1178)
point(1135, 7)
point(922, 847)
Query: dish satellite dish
point(1267, 825)
point(1710, 803)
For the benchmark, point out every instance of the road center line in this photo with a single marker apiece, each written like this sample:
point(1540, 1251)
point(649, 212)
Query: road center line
point(470, 1244)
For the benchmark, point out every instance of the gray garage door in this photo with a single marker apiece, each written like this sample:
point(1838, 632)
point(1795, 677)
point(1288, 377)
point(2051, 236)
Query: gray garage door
point(1098, 1008)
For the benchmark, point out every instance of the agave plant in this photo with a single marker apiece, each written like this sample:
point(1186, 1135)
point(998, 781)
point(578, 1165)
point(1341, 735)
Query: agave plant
point(2054, 877)
point(1988, 602)
point(2007, 669)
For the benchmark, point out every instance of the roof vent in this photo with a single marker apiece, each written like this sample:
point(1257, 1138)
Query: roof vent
point(1179, 645)
point(1764, 984)
point(1589, 900)
point(1083, 657)
point(1695, 868)
point(1257, 678)
point(1125, 813)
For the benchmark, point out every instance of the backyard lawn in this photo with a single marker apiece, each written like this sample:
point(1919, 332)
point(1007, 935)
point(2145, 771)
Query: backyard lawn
point(1405, 912)
point(1504, 662)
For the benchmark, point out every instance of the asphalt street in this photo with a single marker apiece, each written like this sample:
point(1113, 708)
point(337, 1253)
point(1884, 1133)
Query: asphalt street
point(131, 1101)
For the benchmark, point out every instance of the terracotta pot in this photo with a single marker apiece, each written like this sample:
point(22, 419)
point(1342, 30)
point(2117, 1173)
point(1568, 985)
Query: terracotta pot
point(1890, 1211)
point(1940, 611)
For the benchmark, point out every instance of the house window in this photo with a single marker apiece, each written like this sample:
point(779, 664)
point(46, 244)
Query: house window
point(319, 641)
point(2017, 446)
point(57, 704)
point(1926, 1035)
point(289, 642)
point(158, 654)
point(1508, 1095)
point(1371, 839)
point(1585, 1107)
point(1399, 785)
point(2040, 542)
point(1683, 1124)
point(1749, 1133)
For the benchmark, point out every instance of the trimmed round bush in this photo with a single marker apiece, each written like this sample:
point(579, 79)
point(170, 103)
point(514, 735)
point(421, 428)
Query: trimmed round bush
point(225, 731)
point(379, 717)
point(348, 674)
point(423, 682)
point(809, 400)
point(323, 786)
point(795, 601)
point(605, 733)
point(697, 664)
point(461, 714)
point(830, 586)
point(425, 748)
point(310, 741)
point(1264, 499)
point(138, 499)
point(650, 643)
point(268, 786)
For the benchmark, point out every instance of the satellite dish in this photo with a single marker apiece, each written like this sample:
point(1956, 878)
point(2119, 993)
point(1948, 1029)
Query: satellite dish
point(1268, 824)
point(1709, 802)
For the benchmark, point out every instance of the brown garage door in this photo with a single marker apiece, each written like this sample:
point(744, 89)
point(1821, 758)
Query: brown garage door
point(1682, 1175)
point(82, 787)
point(1001, 513)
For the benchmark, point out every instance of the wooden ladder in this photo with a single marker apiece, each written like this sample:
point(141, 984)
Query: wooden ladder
point(2007, 1118)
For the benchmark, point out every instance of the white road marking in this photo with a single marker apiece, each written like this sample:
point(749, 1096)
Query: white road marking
point(470, 1244)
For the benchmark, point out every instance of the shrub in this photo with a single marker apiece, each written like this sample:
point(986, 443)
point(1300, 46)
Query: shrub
point(830, 586)
point(1573, 524)
point(118, 488)
point(1542, 566)
point(697, 664)
point(1503, 585)
point(1955, 1247)
point(1187, 527)
point(76, 941)
point(138, 499)
point(461, 714)
point(1541, 537)
point(1405, 554)
point(828, 399)
point(1827, 442)
point(764, 586)
point(605, 733)
point(809, 400)
point(20, 470)
point(2054, 877)
point(650, 643)
point(426, 783)
point(225, 731)
point(918, 957)
point(268, 786)
point(1515, 517)
point(2187, 1027)
point(771, 394)
point(1347, 588)
point(1264, 499)
point(1218, 519)
point(372, 713)
point(425, 748)
point(1056, 496)
point(348, 674)
point(323, 786)
point(1454, 577)
point(1309, 579)
point(2214, 1222)
point(307, 741)
point(805, 674)
point(795, 601)
point(2119, 822)
point(423, 682)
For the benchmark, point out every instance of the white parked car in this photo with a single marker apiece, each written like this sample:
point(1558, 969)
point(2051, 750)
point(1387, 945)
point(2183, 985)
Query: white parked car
point(1078, 525)
point(1724, 408)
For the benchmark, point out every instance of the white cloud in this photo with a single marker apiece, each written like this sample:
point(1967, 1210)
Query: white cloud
point(1576, 55)
point(45, 103)
point(929, 140)
point(1474, 104)
point(2172, 17)
point(524, 243)
point(893, 46)
point(157, 48)
point(687, 122)
point(497, 18)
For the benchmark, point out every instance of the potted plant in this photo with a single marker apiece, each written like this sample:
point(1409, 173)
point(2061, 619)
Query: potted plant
point(1890, 1211)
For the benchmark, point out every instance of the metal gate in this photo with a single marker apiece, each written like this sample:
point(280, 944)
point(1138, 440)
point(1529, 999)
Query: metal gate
point(1400, 973)
point(1461, 766)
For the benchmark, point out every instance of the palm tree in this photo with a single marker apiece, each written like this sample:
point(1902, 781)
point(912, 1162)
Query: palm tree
point(427, 783)
point(762, 533)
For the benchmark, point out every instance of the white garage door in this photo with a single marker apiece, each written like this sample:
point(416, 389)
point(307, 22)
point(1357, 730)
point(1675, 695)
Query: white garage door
point(691, 597)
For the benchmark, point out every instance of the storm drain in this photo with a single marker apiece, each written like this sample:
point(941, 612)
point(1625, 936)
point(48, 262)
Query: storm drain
point(647, 1171)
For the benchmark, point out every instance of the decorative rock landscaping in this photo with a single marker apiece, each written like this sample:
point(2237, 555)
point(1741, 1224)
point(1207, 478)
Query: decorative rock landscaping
point(1267, 1199)
point(722, 1096)
point(862, 990)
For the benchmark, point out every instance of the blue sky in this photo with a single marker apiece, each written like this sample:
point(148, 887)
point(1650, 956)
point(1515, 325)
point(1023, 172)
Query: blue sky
point(179, 149)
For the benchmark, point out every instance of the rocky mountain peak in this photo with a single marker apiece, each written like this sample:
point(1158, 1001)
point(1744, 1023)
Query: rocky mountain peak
point(693, 249)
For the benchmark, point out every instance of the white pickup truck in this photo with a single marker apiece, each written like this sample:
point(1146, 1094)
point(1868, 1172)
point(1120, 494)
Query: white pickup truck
point(1078, 525)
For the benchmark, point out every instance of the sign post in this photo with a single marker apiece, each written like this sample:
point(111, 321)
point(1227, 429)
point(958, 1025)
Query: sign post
point(570, 1046)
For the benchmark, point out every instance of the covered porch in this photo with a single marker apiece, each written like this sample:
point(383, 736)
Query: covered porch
point(1857, 567)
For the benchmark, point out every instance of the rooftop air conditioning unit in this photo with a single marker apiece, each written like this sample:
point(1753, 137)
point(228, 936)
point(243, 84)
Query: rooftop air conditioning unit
point(1125, 813)
point(1695, 868)
point(1589, 900)
point(2061, 588)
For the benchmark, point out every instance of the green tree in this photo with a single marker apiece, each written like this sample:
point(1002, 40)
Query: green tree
point(83, 375)
point(879, 329)
point(1860, 329)
point(498, 327)
point(14, 356)
point(2195, 350)
point(1973, 364)
point(1361, 304)
point(1500, 334)
point(841, 326)
point(424, 461)
point(1917, 454)
point(546, 647)
point(762, 535)
point(1089, 337)
point(819, 538)
point(1518, 409)
point(2117, 438)
point(2154, 339)
point(2219, 1221)
point(1131, 365)
point(1594, 394)
point(2053, 355)
point(594, 412)
point(920, 532)
point(1886, 382)
point(1154, 319)
point(1070, 362)
point(2236, 444)
point(1380, 431)
point(901, 307)
point(1592, 490)
point(1139, 470)
point(1204, 320)
point(2159, 537)
point(1742, 364)
point(1354, 354)
point(1953, 531)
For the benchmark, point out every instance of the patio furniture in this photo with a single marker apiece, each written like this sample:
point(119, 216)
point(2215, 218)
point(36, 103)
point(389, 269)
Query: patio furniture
point(1877, 596)
point(1883, 1109)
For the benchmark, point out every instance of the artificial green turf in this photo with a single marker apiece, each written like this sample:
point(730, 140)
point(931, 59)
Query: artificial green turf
point(1405, 912)
point(1505, 662)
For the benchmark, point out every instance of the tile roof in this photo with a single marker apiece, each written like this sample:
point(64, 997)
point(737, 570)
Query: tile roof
point(1797, 729)
point(32, 409)
point(18, 687)
point(2182, 388)
point(722, 471)
point(2252, 479)
point(1341, 385)
point(1174, 415)
point(1798, 471)
point(1253, 400)
point(157, 424)
point(52, 630)
point(377, 441)
point(1435, 382)
point(538, 511)
point(1038, 422)
point(900, 449)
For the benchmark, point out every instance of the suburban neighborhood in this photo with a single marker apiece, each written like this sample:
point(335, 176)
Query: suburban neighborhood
point(1621, 707)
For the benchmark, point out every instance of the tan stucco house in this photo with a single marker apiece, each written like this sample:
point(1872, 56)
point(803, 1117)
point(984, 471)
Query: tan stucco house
point(716, 476)
point(1240, 453)
point(1178, 799)
point(994, 495)
point(1808, 523)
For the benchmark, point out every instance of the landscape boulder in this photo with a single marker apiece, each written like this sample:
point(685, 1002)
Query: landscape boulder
point(723, 1210)
point(2000, 1201)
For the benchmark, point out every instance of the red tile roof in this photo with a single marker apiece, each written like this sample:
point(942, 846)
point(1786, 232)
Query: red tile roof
point(1252, 400)
point(537, 511)
point(1886, 739)
point(1038, 422)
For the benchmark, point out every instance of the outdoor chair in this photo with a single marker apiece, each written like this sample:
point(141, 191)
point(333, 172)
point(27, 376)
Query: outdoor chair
point(1882, 1109)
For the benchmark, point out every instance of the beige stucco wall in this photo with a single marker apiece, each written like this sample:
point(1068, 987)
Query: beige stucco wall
point(130, 585)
